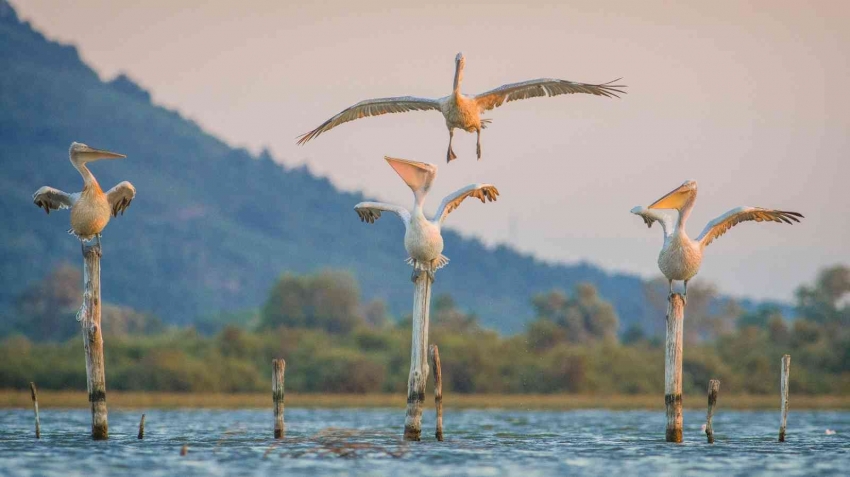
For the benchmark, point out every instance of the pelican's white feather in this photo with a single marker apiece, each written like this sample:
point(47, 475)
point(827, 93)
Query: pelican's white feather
point(371, 211)
point(482, 192)
point(720, 225)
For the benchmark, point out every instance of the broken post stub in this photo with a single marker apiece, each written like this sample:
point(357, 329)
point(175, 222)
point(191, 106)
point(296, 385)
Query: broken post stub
point(434, 357)
point(783, 392)
point(141, 428)
point(278, 368)
point(713, 389)
point(34, 394)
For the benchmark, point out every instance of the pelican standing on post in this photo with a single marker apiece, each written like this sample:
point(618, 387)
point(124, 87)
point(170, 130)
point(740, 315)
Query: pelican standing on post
point(91, 208)
point(422, 238)
point(424, 244)
point(462, 111)
point(681, 256)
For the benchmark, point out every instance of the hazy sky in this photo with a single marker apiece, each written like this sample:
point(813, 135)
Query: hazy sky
point(747, 98)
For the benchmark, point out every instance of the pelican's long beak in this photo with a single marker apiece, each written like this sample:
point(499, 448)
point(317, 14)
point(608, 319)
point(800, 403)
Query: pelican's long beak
point(675, 199)
point(417, 175)
point(93, 154)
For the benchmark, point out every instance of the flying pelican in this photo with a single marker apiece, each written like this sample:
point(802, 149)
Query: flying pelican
point(462, 111)
point(422, 238)
point(681, 256)
point(90, 208)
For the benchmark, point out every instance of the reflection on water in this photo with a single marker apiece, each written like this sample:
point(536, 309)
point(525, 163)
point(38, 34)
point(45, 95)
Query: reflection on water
point(367, 442)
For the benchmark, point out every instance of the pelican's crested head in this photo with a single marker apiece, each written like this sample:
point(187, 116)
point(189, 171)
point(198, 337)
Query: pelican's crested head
point(81, 153)
point(417, 175)
point(677, 198)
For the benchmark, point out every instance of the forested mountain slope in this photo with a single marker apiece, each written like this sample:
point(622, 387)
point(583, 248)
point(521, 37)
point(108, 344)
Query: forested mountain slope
point(212, 226)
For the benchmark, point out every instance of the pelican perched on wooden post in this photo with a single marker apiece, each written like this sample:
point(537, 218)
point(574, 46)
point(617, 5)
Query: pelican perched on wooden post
point(90, 212)
point(424, 244)
point(463, 111)
point(680, 259)
point(681, 256)
point(91, 208)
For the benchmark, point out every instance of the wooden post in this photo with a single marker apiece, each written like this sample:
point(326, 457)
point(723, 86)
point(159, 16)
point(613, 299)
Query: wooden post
point(434, 355)
point(418, 358)
point(142, 428)
point(713, 389)
point(89, 318)
point(673, 368)
point(184, 450)
point(783, 392)
point(278, 367)
point(34, 393)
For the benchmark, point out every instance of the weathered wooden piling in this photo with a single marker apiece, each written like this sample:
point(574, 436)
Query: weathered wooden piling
point(713, 389)
point(34, 393)
point(783, 392)
point(184, 450)
point(673, 367)
point(142, 427)
point(434, 357)
point(418, 358)
point(278, 368)
point(89, 317)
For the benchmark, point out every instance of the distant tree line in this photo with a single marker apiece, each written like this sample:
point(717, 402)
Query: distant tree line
point(335, 343)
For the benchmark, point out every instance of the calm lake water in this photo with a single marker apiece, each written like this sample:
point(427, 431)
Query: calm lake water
point(367, 442)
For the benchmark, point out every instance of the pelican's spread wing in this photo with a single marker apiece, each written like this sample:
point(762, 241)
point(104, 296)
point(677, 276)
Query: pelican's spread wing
point(371, 211)
point(373, 107)
point(482, 192)
point(543, 87)
point(119, 197)
point(720, 225)
point(651, 215)
point(49, 198)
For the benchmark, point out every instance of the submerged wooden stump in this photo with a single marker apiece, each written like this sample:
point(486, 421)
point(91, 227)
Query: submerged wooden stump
point(89, 317)
point(713, 389)
point(141, 428)
point(34, 394)
point(783, 392)
point(434, 355)
point(673, 367)
point(278, 368)
point(418, 358)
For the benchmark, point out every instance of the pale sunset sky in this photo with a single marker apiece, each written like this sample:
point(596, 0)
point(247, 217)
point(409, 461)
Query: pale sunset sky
point(747, 98)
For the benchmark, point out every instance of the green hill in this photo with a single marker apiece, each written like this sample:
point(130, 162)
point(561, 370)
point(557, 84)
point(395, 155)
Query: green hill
point(212, 226)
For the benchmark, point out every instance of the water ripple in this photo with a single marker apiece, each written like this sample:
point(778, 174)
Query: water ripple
point(478, 443)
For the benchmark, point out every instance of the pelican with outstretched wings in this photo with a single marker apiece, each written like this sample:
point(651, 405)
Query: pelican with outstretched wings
point(681, 256)
point(464, 111)
point(91, 208)
point(422, 238)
